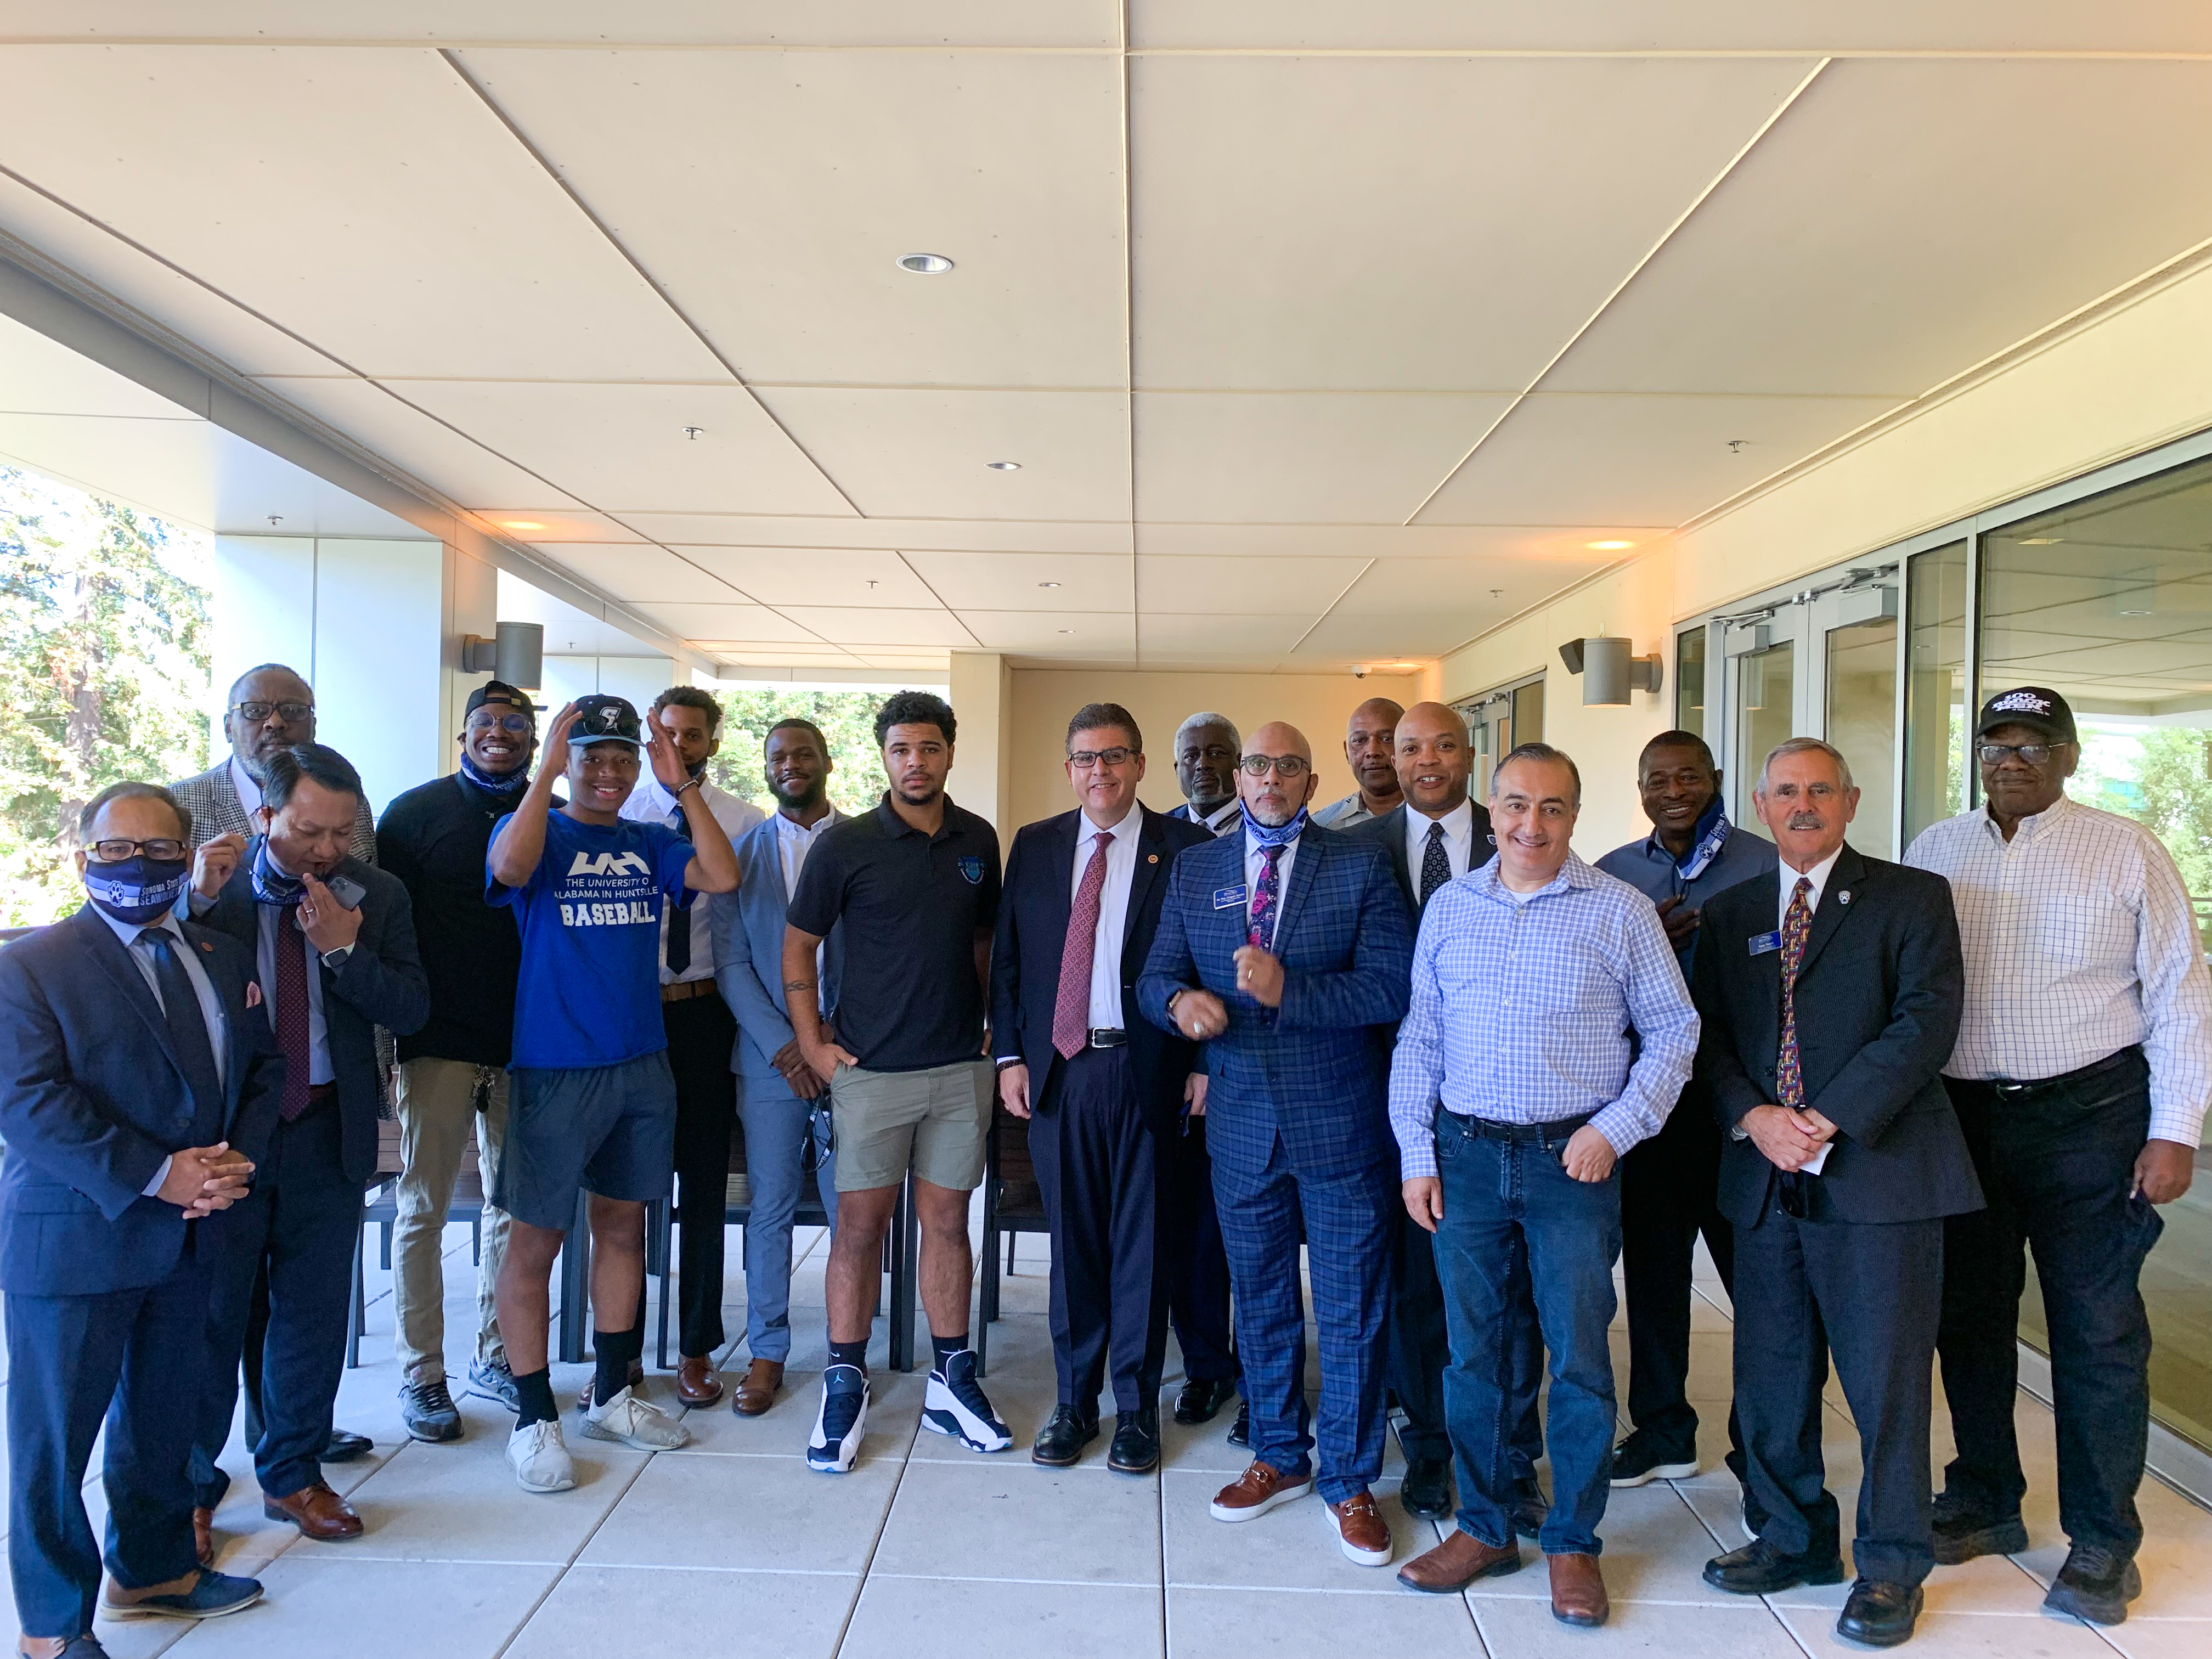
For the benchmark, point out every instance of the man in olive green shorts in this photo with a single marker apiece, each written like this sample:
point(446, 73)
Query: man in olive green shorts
point(915, 886)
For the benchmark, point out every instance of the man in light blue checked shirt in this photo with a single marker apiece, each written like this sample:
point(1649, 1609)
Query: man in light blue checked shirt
point(1529, 977)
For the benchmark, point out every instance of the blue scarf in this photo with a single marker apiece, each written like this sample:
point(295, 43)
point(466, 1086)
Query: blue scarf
point(271, 885)
point(492, 783)
point(1279, 835)
point(1710, 835)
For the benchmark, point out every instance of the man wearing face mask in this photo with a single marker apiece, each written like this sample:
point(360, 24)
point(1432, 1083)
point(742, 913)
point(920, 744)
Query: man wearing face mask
point(453, 1071)
point(1284, 950)
point(334, 942)
point(270, 708)
point(135, 1071)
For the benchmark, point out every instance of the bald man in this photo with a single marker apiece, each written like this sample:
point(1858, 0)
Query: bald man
point(1286, 949)
point(1371, 749)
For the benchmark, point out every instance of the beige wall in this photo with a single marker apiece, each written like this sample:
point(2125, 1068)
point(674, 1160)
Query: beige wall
point(2136, 376)
point(1319, 705)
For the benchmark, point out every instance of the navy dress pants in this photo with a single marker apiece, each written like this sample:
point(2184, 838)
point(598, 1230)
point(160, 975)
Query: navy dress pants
point(1197, 1265)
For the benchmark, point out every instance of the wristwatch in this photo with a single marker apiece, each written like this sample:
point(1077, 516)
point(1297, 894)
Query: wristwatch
point(337, 958)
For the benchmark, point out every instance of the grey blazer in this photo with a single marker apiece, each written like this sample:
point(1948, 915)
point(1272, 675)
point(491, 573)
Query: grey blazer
point(747, 928)
point(212, 800)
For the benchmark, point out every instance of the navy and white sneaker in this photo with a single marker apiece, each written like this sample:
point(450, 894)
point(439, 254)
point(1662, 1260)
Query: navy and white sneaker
point(955, 1406)
point(842, 1422)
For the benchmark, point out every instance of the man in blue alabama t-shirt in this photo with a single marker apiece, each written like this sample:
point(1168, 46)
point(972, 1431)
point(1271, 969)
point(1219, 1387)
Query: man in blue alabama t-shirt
point(591, 1106)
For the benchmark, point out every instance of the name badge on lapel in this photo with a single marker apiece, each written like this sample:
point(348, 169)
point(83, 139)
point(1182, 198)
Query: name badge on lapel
point(1226, 896)
point(1762, 943)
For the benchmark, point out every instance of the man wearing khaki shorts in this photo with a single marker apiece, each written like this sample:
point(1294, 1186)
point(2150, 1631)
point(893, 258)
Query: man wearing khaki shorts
point(915, 882)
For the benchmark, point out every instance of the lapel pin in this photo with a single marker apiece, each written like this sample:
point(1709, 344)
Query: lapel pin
point(1844, 897)
point(1153, 858)
point(207, 947)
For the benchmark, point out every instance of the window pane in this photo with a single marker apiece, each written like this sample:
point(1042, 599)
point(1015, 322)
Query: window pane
point(1936, 688)
point(1529, 714)
point(1690, 681)
point(1766, 684)
point(2108, 601)
point(1862, 721)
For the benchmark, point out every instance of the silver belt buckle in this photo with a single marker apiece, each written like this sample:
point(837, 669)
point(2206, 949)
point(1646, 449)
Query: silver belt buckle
point(1101, 1038)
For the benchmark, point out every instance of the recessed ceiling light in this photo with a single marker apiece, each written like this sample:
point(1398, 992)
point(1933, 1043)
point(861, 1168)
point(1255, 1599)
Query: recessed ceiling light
point(2041, 541)
point(1047, 584)
point(2135, 613)
point(1608, 547)
point(523, 523)
point(1067, 631)
point(1004, 466)
point(924, 264)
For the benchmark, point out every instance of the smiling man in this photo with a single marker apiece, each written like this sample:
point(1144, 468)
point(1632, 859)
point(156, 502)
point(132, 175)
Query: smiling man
point(269, 707)
point(2083, 1065)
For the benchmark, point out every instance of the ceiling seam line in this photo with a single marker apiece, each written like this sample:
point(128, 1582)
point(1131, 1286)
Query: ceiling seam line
point(1621, 287)
point(930, 588)
point(1129, 331)
point(1332, 606)
point(734, 588)
point(606, 233)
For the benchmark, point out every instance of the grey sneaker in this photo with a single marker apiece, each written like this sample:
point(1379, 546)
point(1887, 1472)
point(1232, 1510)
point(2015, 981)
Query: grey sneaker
point(428, 1410)
point(490, 1379)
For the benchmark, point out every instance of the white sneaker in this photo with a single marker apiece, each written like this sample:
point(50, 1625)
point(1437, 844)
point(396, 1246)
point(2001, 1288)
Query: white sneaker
point(842, 1421)
point(634, 1423)
point(539, 1458)
point(955, 1405)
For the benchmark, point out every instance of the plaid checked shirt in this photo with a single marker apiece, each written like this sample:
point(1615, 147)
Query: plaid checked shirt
point(1522, 1012)
point(2079, 942)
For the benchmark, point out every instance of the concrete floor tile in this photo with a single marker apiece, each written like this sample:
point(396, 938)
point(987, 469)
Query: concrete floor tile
point(1524, 1629)
point(370, 1609)
point(1215, 1623)
point(1292, 1548)
point(766, 1512)
point(2027, 1635)
point(996, 1518)
point(595, 1611)
point(943, 1619)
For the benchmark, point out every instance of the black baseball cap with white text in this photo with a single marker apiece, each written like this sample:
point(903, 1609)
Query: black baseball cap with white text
point(2038, 707)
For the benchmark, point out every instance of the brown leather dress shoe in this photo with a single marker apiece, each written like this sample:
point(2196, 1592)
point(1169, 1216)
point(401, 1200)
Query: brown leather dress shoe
point(1458, 1562)
point(697, 1382)
point(1259, 1489)
point(1361, 1532)
point(1577, 1590)
point(203, 1536)
point(319, 1512)
point(758, 1392)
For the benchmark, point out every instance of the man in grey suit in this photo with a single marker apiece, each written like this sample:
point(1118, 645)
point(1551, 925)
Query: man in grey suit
point(778, 1093)
point(269, 708)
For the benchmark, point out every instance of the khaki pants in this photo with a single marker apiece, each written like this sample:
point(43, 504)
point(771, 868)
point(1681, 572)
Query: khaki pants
point(437, 1108)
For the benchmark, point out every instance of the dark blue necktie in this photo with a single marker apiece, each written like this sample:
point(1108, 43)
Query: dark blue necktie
point(188, 1032)
point(679, 949)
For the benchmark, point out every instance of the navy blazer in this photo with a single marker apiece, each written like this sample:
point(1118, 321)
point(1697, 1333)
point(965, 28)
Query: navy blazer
point(1033, 916)
point(1388, 832)
point(1316, 1070)
point(1879, 997)
point(93, 1098)
point(380, 983)
point(747, 928)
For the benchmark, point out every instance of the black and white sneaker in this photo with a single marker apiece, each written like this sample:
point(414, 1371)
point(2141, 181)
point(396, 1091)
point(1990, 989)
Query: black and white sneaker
point(842, 1422)
point(955, 1406)
point(1643, 1458)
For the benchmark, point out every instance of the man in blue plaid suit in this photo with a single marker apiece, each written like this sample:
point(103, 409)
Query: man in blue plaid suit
point(1288, 947)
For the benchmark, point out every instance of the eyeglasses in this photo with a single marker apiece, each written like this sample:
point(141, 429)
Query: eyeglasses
point(114, 852)
point(517, 724)
point(255, 713)
point(2034, 754)
point(1084, 759)
point(1285, 766)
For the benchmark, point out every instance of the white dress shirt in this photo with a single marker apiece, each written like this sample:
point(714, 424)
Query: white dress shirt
point(2079, 942)
point(1818, 875)
point(1459, 841)
point(1113, 909)
point(218, 1026)
point(1221, 820)
point(1255, 860)
point(651, 804)
point(793, 842)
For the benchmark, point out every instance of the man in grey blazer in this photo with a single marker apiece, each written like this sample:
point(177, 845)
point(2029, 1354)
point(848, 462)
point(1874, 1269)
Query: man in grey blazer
point(270, 708)
point(778, 1093)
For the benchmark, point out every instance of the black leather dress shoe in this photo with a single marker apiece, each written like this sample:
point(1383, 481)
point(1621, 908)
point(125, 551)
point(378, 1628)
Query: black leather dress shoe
point(1426, 1490)
point(1879, 1614)
point(2095, 1585)
point(1136, 1448)
point(1962, 1531)
point(1240, 1433)
point(344, 1446)
point(1760, 1569)
point(1529, 1509)
point(1200, 1398)
point(1060, 1441)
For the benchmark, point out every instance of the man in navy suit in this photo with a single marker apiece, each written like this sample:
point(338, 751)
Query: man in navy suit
point(1287, 948)
point(334, 940)
point(1080, 908)
point(131, 1066)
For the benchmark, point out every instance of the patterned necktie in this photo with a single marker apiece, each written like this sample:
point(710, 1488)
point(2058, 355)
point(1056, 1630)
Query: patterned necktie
point(292, 1011)
point(188, 1032)
point(1436, 864)
point(1797, 923)
point(1071, 1009)
point(1260, 930)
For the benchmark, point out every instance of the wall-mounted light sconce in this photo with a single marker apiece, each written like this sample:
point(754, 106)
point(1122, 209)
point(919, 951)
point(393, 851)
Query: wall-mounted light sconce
point(517, 655)
point(1608, 673)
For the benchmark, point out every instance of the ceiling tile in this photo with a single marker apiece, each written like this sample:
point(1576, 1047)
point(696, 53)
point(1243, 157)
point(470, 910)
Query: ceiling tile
point(1433, 597)
point(1013, 581)
point(694, 620)
point(1195, 583)
point(1234, 632)
point(956, 535)
point(1053, 632)
point(1637, 458)
point(629, 571)
point(450, 462)
point(1389, 639)
point(40, 377)
point(551, 527)
point(811, 575)
point(1416, 541)
point(923, 454)
point(857, 627)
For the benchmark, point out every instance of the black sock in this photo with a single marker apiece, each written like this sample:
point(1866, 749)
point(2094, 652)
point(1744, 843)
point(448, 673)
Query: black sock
point(946, 1346)
point(614, 1351)
point(850, 1353)
point(533, 1391)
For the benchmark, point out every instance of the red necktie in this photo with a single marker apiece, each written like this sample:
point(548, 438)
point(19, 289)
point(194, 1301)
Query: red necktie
point(292, 1011)
point(1071, 1010)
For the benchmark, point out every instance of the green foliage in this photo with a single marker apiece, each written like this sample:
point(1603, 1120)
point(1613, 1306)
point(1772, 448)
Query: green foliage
point(847, 719)
point(104, 668)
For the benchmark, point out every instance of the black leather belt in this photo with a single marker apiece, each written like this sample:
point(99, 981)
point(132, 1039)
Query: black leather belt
point(1493, 1129)
point(1101, 1038)
point(2008, 1089)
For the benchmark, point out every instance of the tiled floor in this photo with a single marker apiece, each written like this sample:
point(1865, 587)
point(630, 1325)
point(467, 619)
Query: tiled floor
point(733, 1546)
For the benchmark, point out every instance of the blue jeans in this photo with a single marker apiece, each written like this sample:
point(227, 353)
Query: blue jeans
point(1495, 1191)
point(775, 1124)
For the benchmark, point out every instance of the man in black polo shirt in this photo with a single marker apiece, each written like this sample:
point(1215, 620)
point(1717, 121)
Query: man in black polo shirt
point(915, 882)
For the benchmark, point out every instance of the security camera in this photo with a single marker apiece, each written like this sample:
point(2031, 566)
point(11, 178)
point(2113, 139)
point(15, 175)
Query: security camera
point(1359, 673)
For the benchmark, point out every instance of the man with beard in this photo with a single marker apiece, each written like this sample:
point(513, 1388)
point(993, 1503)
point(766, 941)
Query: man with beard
point(915, 884)
point(453, 1071)
point(1370, 749)
point(701, 1033)
point(1286, 952)
point(1206, 750)
point(781, 1100)
point(270, 708)
point(334, 940)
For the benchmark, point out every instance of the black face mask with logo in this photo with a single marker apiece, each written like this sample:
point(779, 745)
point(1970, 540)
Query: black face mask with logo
point(137, 890)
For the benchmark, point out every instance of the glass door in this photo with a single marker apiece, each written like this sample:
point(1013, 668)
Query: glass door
point(1857, 632)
